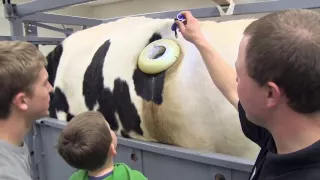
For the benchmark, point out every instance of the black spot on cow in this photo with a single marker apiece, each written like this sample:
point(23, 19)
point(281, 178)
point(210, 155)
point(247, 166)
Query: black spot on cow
point(53, 59)
point(124, 134)
point(93, 88)
point(59, 103)
point(110, 102)
point(155, 36)
point(69, 116)
point(108, 108)
point(93, 77)
point(127, 112)
point(149, 86)
point(58, 99)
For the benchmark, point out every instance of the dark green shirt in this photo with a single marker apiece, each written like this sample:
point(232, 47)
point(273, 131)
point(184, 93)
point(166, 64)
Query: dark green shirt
point(120, 172)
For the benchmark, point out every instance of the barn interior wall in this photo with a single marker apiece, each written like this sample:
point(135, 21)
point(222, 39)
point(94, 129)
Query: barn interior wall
point(84, 11)
point(123, 8)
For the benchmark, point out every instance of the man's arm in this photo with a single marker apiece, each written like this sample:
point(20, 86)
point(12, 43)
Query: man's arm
point(222, 74)
point(224, 78)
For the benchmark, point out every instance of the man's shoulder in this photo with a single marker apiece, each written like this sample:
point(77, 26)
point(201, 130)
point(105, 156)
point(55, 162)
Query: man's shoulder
point(10, 155)
point(8, 173)
point(301, 164)
point(306, 173)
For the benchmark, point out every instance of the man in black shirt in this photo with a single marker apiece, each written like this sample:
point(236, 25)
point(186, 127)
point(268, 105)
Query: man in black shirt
point(276, 89)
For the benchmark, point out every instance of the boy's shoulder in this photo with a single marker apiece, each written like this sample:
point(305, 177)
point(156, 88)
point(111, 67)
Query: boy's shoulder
point(121, 170)
point(79, 175)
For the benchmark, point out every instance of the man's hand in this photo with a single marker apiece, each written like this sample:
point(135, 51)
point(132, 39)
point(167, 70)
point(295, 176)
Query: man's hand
point(191, 31)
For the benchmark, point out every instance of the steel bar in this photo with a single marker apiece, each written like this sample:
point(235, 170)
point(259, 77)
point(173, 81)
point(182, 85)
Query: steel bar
point(61, 19)
point(197, 12)
point(34, 39)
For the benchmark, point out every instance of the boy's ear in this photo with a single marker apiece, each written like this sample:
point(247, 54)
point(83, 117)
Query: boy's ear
point(20, 101)
point(112, 150)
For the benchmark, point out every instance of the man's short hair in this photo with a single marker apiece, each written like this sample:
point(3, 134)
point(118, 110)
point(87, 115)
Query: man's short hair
point(20, 64)
point(85, 141)
point(284, 47)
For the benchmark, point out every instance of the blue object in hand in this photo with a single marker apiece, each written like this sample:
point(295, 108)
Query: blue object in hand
point(181, 17)
point(174, 26)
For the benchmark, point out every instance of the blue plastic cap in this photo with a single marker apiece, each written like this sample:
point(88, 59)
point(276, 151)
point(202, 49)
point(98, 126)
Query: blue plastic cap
point(181, 17)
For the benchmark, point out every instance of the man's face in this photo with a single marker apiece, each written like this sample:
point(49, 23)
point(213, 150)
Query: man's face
point(251, 95)
point(38, 102)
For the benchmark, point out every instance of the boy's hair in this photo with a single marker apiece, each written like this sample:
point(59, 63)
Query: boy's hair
point(20, 64)
point(85, 141)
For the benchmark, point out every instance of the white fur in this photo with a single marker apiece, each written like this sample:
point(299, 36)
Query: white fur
point(194, 113)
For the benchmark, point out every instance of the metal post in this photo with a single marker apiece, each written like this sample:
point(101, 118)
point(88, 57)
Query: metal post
point(16, 26)
point(31, 30)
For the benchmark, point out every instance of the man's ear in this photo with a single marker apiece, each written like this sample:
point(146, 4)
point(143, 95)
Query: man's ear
point(274, 94)
point(112, 150)
point(20, 101)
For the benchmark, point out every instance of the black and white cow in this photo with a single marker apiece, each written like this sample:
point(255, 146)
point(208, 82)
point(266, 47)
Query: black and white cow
point(96, 69)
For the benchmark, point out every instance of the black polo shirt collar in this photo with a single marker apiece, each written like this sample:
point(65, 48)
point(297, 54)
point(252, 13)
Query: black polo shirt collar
point(279, 164)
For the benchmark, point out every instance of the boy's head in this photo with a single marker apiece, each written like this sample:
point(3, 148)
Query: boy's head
point(87, 142)
point(25, 90)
